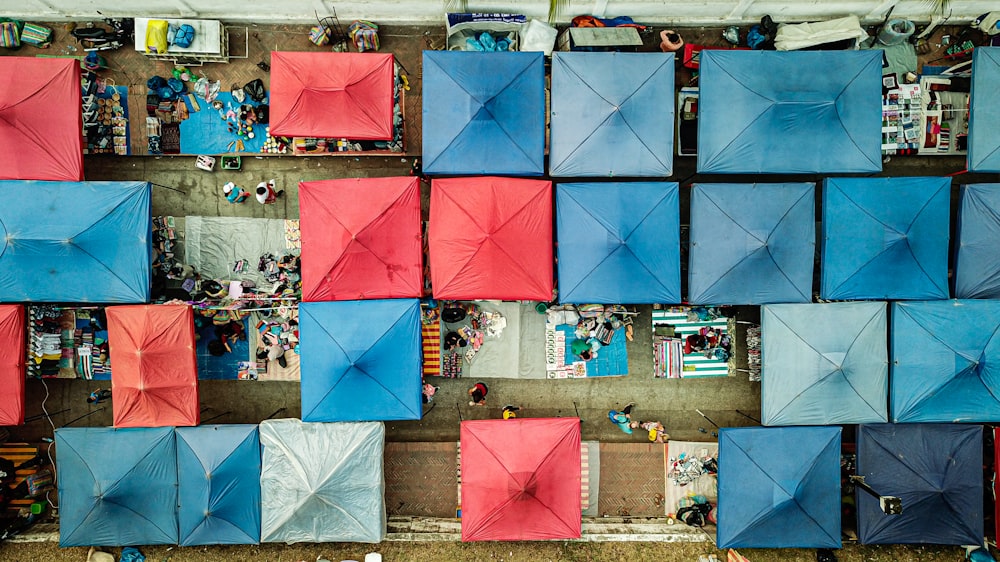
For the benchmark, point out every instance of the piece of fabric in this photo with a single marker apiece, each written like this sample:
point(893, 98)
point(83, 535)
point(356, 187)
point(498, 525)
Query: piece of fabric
point(779, 487)
point(361, 239)
point(332, 95)
point(322, 482)
point(751, 243)
point(360, 360)
point(618, 242)
point(212, 245)
point(885, 238)
point(984, 115)
point(612, 114)
point(12, 366)
point(824, 364)
point(945, 361)
point(40, 119)
point(513, 492)
point(483, 113)
point(937, 472)
point(155, 377)
point(977, 263)
point(491, 238)
point(218, 484)
point(824, 114)
point(84, 242)
point(117, 487)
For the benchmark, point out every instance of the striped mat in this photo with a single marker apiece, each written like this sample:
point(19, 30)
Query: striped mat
point(18, 453)
point(693, 364)
point(430, 337)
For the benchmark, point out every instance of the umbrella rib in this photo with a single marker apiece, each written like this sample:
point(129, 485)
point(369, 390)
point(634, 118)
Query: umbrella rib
point(841, 122)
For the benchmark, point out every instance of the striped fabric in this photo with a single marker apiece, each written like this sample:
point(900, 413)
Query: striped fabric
point(430, 335)
point(584, 476)
point(694, 364)
point(18, 453)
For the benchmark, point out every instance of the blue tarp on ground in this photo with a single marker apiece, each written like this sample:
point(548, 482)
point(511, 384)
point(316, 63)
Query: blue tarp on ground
point(218, 484)
point(977, 262)
point(945, 361)
point(611, 115)
point(774, 112)
point(360, 360)
point(117, 487)
point(885, 238)
point(779, 487)
point(937, 472)
point(618, 242)
point(752, 243)
point(213, 131)
point(82, 242)
point(984, 113)
point(611, 360)
point(824, 364)
point(484, 113)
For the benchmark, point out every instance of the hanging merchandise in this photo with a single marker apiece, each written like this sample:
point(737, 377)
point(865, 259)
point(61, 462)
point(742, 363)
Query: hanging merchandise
point(365, 35)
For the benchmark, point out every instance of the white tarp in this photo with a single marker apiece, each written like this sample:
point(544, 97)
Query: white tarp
point(802, 35)
point(213, 245)
point(322, 482)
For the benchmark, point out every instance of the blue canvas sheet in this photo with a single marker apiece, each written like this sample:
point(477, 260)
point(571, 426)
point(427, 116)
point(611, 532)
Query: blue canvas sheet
point(360, 360)
point(618, 243)
point(779, 112)
point(779, 487)
point(885, 238)
point(218, 484)
point(977, 262)
point(752, 243)
point(75, 242)
point(937, 472)
point(824, 364)
point(984, 113)
point(225, 367)
point(611, 360)
point(117, 487)
point(484, 113)
point(210, 130)
point(611, 115)
point(945, 361)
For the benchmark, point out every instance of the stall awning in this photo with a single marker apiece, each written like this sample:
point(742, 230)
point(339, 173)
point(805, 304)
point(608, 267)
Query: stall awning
point(618, 242)
point(977, 262)
point(612, 114)
point(484, 113)
point(751, 243)
point(332, 95)
point(491, 238)
point(41, 119)
point(984, 114)
point(790, 112)
point(12, 352)
point(155, 374)
point(361, 239)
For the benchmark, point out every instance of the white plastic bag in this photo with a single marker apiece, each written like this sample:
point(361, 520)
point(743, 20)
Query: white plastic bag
point(206, 89)
point(538, 36)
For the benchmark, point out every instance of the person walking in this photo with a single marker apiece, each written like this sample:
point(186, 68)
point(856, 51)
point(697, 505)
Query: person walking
point(478, 394)
point(99, 395)
point(234, 193)
point(266, 194)
point(510, 411)
point(623, 419)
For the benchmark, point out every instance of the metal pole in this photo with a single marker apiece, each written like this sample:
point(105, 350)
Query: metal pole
point(215, 417)
point(72, 421)
point(168, 187)
point(747, 416)
point(707, 418)
point(40, 416)
point(274, 413)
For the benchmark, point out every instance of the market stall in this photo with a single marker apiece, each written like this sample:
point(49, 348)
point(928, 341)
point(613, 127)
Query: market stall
point(751, 243)
point(944, 361)
point(487, 339)
point(322, 482)
point(494, 121)
point(779, 487)
point(155, 380)
point(491, 238)
point(692, 342)
point(935, 470)
point(824, 364)
point(984, 115)
point(885, 238)
point(608, 114)
point(512, 492)
point(12, 368)
point(789, 112)
point(361, 360)
point(361, 239)
point(75, 242)
point(977, 264)
point(40, 119)
point(218, 485)
point(618, 242)
point(117, 487)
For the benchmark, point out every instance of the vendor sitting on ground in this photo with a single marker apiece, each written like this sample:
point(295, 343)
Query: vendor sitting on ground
point(225, 334)
point(584, 349)
point(657, 433)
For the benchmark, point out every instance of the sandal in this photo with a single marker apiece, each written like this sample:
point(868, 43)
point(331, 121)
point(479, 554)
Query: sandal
point(629, 332)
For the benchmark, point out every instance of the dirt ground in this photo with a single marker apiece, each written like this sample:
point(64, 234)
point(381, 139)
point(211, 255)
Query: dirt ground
point(493, 552)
